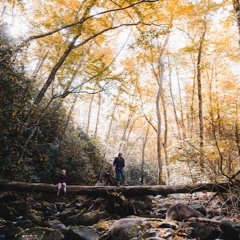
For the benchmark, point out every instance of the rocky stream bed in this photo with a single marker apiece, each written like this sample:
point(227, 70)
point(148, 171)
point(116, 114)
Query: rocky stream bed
point(176, 217)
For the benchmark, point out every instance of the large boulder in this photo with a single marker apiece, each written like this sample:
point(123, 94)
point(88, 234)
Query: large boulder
point(180, 212)
point(204, 231)
point(231, 230)
point(126, 228)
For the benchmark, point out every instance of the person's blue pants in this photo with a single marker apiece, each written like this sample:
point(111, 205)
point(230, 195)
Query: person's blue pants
point(120, 172)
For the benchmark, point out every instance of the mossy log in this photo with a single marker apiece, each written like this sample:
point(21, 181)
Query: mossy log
point(106, 190)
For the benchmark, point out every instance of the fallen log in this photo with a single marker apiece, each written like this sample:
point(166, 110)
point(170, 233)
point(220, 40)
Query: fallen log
point(106, 190)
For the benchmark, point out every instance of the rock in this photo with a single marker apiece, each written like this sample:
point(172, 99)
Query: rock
point(103, 225)
point(204, 231)
point(200, 208)
point(140, 204)
point(92, 217)
point(155, 238)
point(61, 206)
point(166, 233)
point(77, 202)
point(56, 224)
point(158, 229)
point(7, 213)
point(35, 217)
point(40, 233)
point(82, 233)
point(67, 213)
point(126, 228)
point(36, 205)
point(20, 207)
point(72, 219)
point(231, 230)
point(24, 224)
point(49, 207)
point(180, 212)
point(5, 229)
point(14, 231)
point(86, 219)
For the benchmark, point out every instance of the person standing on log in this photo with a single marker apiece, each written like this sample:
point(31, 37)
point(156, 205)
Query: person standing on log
point(62, 183)
point(119, 164)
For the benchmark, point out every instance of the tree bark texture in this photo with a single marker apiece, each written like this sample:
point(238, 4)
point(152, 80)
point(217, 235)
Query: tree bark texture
point(200, 101)
point(106, 190)
point(54, 71)
point(236, 5)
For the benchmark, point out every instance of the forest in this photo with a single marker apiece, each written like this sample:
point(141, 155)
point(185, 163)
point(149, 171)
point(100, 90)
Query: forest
point(157, 80)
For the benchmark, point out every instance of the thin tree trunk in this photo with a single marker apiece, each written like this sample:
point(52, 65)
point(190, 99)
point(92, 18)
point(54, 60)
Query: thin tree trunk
point(129, 120)
point(143, 154)
point(173, 101)
point(90, 108)
point(70, 114)
point(130, 130)
point(183, 135)
point(165, 140)
point(39, 65)
point(191, 124)
point(236, 5)
point(3, 11)
point(159, 130)
point(98, 114)
point(200, 102)
point(112, 117)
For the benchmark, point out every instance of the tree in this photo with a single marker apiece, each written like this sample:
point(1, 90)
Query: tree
point(236, 5)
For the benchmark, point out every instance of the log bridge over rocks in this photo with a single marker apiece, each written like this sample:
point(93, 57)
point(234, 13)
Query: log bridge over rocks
point(127, 191)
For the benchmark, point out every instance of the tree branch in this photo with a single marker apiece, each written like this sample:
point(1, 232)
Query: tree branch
point(82, 20)
point(112, 28)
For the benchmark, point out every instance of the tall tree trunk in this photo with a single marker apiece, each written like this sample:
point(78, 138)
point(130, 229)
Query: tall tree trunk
point(63, 57)
point(236, 5)
point(165, 138)
point(173, 102)
point(200, 102)
point(191, 115)
point(159, 128)
point(54, 71)
point(158, 72)
point(182, 124)
point(237, 131)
